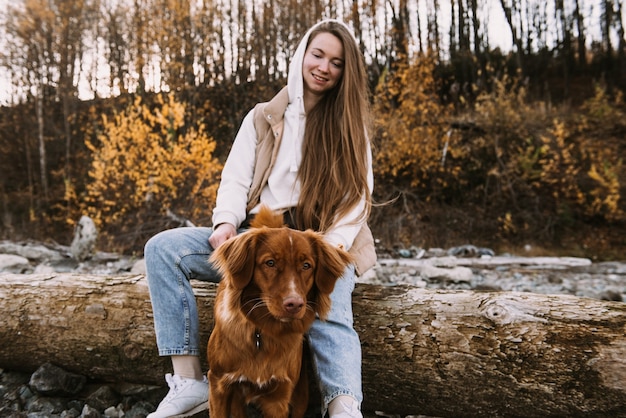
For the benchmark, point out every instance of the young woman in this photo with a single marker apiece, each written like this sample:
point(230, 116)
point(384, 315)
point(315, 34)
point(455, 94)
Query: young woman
point(306, 152)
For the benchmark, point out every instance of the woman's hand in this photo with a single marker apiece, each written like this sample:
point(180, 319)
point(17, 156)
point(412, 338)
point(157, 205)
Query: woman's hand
point(221, 233)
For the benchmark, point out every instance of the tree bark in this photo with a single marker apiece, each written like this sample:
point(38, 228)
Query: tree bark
point(438, 353)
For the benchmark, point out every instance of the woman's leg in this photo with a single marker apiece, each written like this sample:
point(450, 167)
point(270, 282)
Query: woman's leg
point(336, 350)
point(173, 257)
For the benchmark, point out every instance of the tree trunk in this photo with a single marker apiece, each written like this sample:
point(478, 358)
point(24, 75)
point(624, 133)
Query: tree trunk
point(439, 353)
point(42, 143)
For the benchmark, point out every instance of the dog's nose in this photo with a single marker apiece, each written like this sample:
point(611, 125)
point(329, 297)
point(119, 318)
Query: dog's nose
point(293, 304)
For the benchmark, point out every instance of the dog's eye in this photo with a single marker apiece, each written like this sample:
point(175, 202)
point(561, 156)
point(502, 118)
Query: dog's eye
point(270, 263)
point(306, 266)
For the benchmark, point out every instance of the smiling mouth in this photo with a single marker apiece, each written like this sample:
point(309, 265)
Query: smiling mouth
point(318, 78)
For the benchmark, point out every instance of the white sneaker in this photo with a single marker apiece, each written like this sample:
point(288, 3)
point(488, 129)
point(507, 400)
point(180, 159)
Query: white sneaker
point(344, 407)
point(185, 398)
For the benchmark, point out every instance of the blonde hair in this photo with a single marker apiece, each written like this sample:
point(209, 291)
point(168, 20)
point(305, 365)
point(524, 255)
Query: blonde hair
point(334, 168)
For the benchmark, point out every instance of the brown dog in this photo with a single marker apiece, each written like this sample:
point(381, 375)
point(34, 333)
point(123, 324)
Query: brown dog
point(275, 280)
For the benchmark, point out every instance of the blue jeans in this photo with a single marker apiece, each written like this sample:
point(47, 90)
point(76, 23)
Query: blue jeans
point(175, 256)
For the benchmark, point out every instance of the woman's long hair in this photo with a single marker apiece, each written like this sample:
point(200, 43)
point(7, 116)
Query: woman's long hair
point(334, 168)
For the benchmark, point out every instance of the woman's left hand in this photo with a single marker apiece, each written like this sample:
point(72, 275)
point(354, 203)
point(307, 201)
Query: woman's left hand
point(221, 234)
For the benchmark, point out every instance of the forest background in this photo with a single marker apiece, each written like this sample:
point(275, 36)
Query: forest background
point(124, 110)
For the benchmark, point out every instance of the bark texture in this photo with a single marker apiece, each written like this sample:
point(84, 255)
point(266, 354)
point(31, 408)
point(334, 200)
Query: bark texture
point(439, 353)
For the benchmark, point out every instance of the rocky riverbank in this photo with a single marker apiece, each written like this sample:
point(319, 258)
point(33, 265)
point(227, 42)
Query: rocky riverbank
point(459, 268)
point(52, 391)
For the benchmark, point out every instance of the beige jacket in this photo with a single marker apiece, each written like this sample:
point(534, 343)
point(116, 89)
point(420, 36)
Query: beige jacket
point(269, 123)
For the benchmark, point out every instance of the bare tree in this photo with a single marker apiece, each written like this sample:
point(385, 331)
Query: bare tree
point(581, 35)
point(170, 31)
point(138, 50)
point(621, 48)
point(70, 18)
point(512, 14)
point(32, 27)
point(434, 40)
point(116, 18)
point(209, 43)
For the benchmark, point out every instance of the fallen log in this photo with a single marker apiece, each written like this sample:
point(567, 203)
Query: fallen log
point(437, 353)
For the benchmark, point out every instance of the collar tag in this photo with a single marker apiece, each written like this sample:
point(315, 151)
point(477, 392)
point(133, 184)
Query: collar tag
point(257, 338)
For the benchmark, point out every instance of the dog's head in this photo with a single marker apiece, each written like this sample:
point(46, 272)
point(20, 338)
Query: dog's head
point(279, 271)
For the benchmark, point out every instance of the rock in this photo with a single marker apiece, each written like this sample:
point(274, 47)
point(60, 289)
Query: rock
point(85, 236)
point(27, 258)
point(103, 398)
point(45, 407)
point(14, 264)
point(90, 412)
point(52, 380)
point(454, 274)
point(76, 405)
point(70, 413)
point(139, 267)
point(129, 400)
point(114, 412)
point(33, 251)
point(611, 294)
point(139, 410)
point(404, 253)
point(470, 251)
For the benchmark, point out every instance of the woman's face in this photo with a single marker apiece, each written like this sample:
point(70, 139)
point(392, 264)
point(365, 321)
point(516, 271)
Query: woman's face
point(323, 64)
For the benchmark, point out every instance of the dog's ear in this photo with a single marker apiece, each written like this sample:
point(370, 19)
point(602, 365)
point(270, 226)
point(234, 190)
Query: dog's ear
point(331, 263)
point(236, 258)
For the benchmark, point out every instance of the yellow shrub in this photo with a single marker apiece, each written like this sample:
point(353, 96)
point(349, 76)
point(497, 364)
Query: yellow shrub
point(598, 130)
point(605, 196)
point(415, 147)
point(148, 162)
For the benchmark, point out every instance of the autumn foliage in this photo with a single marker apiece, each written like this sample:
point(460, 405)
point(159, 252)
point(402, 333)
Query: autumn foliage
point(472, 143)
point(147, 163)
point(413, 130)
point(508, 168)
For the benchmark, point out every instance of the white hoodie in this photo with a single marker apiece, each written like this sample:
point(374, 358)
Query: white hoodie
point(282, 190)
